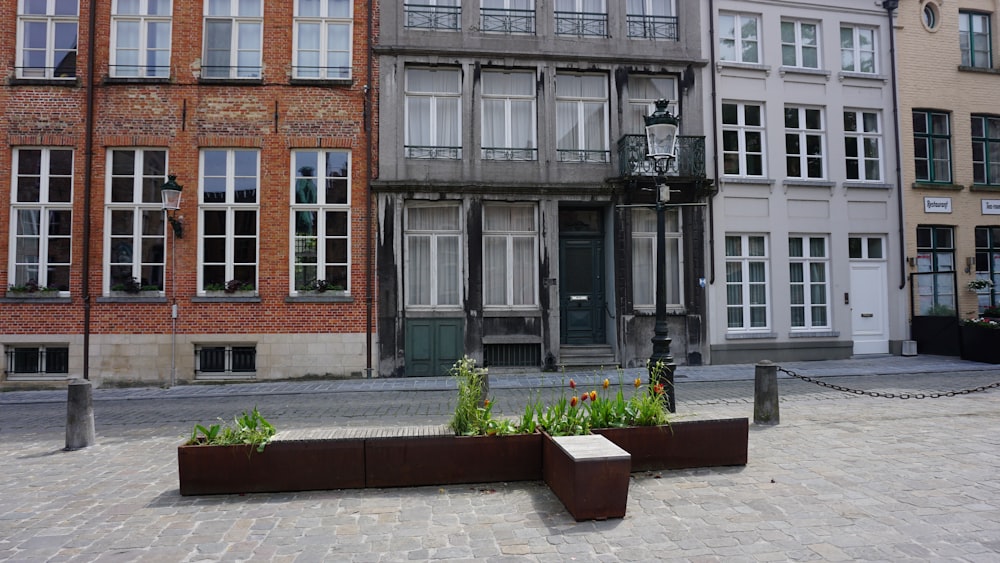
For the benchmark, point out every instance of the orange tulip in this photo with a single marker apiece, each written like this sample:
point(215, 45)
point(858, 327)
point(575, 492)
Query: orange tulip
point(593, 395)
point(606, 383)
point(572, 401)
point(637, 382)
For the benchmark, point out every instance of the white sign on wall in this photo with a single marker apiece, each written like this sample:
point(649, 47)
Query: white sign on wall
point(937, 205)
point(991, 207)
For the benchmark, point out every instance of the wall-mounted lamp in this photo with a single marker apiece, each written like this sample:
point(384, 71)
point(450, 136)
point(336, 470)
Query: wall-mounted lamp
point(170, 191)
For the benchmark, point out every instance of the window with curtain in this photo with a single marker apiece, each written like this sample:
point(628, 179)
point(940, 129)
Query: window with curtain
point(322, 39)
point(988, 265)
point(433, 260)
point(643, 91)
point(805, 143)
point(321, 218)
point(229, 218)
point(42, 213)
point(863, 145)
point(433, 113)
point(644, 258)
point(809, 292)
point(651, 19)
point(440, 15)
point(140, 38)
point(986, 150)
point(508, 100)
point(974, 39)
point(584, 18)
point(857, 49)
point(743, 139)
point(134, 234)
point(510, 255)
point(932, 146)
point(747, 307)
point(507, 16)
point(582, 117)
point(47, 38)
point(935, 277)
point(739, 38)
point(233, 39)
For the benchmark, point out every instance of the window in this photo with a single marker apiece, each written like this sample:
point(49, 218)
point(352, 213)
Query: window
point(433, 14)
point(323, 38)
point(134, 235)
point(221, 360)
point(988, 265)
point(863, 145)
point(935, 271)
point(808, 264)
point(857, 49)
point(746, 283)
point(643, 92)
point(47, 38)
point(644, 258)
point(799, 44)
point(510, 250)
point(37, 361)
point(507, 16)
point(932, 146)
point(433, 256)
point(986, 149)
point(140, 38)
point(651, 19)
point(508, 116)
point(929, 16)
point(321, 219)
point(582, 117)
point(42, 213)
point(804, 143)
point(743, 139)
point(233, 38)
point(865, 248)
point(228, 250)
point(584, 18)
point(433, 113)
point(974, 39)
point(739, 38)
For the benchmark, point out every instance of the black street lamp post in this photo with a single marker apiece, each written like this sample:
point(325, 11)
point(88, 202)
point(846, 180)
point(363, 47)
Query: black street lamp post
point(170, 192)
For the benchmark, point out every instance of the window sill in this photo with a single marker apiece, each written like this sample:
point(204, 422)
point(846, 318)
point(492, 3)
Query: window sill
point(720, 65)
point(319, 298)
point(256, 81)
point(64, 82)
point(38, 297)
point(814, 334)
point(984, 188)
point(223, 297)
point(225, 376)
point(978, 69)
point(136, 80)
point(802, 71)
point(867, 185)
point(322, 82)
point(122, 297)
point(942, 187)
point(750, 335)
point(512, 313)
point(845, 75)
point(808, 183)
point(760, 181)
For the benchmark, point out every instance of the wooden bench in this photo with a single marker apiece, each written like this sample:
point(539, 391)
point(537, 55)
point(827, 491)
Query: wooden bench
point(589, 474)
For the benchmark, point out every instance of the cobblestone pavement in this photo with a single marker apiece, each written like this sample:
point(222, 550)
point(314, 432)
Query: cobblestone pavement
point(842, 477)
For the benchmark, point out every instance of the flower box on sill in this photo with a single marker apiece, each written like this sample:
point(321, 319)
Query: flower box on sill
point(980, 340)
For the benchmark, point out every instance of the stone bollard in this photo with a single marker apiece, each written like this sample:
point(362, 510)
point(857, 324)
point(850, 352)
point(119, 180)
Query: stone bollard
point(79, 415)
point(765, 393)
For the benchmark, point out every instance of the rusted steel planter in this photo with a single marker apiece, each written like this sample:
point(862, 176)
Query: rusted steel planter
point(440, 460)
point(683, 445)
point(281, 467)
point(589, 474)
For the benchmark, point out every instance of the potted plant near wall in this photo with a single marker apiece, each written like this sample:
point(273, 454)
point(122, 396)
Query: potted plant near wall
point(981, 340)
point(31, 290)
point(132, 287)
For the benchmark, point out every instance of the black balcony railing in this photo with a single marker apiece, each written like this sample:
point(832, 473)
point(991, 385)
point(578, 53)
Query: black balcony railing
point(440, 152)
point(503, 153)
point(498, 20)
point(581, 24)
point(423, 16)
point(690, 161)
point(652, 27)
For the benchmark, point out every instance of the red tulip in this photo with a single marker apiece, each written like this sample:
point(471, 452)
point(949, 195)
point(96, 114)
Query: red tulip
point(572, 384)
point(572, 401)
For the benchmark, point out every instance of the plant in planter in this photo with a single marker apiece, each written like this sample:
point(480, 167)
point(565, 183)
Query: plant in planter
point(31, 286)
point(474, 410)
point(980, 339)
point(979, 284)
point(133, 286)
point(249, 429)
point(321, 286)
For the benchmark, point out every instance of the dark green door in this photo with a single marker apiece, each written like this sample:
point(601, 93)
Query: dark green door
point(581, 290)
point(432, 346)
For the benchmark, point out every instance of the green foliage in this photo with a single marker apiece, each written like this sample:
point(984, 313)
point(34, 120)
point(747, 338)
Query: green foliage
point(251, 429)
point(981, 322)
point(473, 409)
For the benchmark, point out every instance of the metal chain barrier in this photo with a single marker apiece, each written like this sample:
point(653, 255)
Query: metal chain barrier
point(887, 395)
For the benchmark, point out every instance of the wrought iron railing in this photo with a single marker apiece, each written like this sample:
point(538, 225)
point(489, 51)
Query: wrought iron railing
point(501, 153)
point(581, 155)
point(140, 71)
point(423, 16)
point(690, 161)
point(652, 27)
point(582, 24)
point(498, 20)
point(447, 153)
point(322, 72)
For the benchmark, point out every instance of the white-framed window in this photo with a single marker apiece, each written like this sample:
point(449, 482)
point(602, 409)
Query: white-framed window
point(584, 18)
point(234, 35)
point(47, 38)
point(739, 38)
point(582, 117)
point(439, 15)
point(805, 143)
point(42, 217)
point(974, 39)
point(140, 38)
point(321, 219)
point(644, 258)
point(510, 255)
point(134, 233)
point(27, 361)
point(433, 113)
point(863, 145)
point(433, 259)
point(799, 44)
point(222, 360)
point(932, 146)
point(643, 92)
point(323, 38)
point(743, 139)
point(809, 290)
point(747, 307)
point(227, 253)
point(509, 111)
point(857, 49)
point(651, 19)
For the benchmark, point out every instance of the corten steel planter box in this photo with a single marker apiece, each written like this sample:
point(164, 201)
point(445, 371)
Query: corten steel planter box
point(283, 466)
point(683, 445)
point(980, 344)
point(589, 474)
point(441, 460)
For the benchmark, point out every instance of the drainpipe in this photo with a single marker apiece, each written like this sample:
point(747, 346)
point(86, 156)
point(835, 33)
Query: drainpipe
point(715, 143)
point(88, 167)
point(369, 201)
point(889, 6)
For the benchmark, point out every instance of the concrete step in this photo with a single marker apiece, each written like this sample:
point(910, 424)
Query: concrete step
point(593, 356)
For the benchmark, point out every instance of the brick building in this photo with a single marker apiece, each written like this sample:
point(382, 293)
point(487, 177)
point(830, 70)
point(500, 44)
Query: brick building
point(263, 112)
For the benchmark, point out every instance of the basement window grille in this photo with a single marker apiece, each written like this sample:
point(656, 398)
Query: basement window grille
point(215, 361)
point(512, 355)
point(37, 361)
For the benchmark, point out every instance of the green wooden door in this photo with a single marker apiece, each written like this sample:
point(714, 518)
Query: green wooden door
point(432, 346)
point(581, 291)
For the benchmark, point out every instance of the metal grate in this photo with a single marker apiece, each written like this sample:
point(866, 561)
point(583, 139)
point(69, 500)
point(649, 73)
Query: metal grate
point(512, 355)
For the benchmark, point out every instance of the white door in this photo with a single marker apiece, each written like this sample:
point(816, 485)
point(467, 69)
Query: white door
point(869, 298)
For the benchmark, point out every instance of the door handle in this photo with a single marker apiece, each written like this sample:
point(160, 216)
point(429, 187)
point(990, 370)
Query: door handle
point(867, 315)
point(847, 298)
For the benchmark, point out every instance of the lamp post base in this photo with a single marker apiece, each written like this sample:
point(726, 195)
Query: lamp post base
point(661, 366)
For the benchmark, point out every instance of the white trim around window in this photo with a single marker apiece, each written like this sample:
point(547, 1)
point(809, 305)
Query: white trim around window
point(800, 44)
point(748, 307)
point(805, 143)
point(863, 145)
point(432, 256)
point(320, 194)
point(858, 49)
point(233, 39)
point(322, 39)
point(510, 256)
point(809, 282)
point(140, 38)
point(743, 139)
point(229, 218)
point(739, 38)
point(47, 35)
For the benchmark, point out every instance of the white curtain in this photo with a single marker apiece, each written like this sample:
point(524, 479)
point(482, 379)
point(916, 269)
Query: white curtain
point(433, 246)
